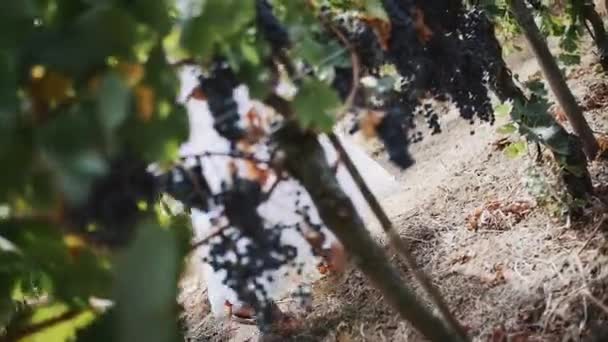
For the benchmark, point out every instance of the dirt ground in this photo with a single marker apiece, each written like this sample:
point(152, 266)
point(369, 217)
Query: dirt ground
point(510, 266)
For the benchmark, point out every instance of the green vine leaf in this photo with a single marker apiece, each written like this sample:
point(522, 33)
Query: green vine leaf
point(503, 110)
point(569, 58)
point(516, 150)
point(507, 129)
point(315, 104)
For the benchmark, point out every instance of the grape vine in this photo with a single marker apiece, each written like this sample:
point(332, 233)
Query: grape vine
point(90, 136)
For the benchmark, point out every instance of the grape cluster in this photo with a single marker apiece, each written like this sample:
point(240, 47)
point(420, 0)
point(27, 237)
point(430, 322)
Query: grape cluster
point(270, 27)
point(483, 43)
point(187, 185)
point(364, 40)
point(443, 65)
point(434, 46)
point(110, 212)
point(218, 86)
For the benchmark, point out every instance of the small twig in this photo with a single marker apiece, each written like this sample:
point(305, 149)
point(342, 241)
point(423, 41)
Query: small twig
point(595, 230)
point(356, 68)
point(398, 243)
point(595, 301)
point(197, 186)
point(267, 195)
point(206, 240)
point(236, 155)
point(356, 65)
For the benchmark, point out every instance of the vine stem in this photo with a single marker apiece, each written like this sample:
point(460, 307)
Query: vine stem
point(306, 161)
point(554, 77)
point(398, 243)
point(356, 65)
point(208, 238)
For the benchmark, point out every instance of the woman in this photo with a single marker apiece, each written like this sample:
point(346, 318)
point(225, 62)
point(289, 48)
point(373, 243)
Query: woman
point(287, 204)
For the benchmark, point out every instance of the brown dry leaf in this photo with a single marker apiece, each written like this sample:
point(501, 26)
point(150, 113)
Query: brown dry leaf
point(48, 89)
point(559, 114)
point(344, 337)
point(255, 128)
point(256, 173)
point(463, 259)
point(145, 102)
point(602, 141)
point(382, 29)
point(132, 73)
point(473, 219)
point(425, 34)
point(519, 209)
point(497, 277)
point(369, 122)
point(497, 214)
point(493, 205)
point(94, 83)
point(323, 268)
point(197, 94)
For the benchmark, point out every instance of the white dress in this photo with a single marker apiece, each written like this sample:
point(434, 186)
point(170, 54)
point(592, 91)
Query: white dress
point(281, 206)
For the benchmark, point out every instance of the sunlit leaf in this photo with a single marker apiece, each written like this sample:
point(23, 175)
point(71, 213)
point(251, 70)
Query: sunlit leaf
point(145, 102)
point(63, 331)
point(509, 128)
point(375, 9)
point(73, 277)
point(200, 34)
point(516, 149)
point(503, 110)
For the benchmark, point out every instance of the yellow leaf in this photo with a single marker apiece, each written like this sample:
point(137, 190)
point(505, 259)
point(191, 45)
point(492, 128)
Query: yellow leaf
point(145, 100)
point(73, 241)
point(94, 84)
point(132, 73)
point(37, 72)
point(49, 89)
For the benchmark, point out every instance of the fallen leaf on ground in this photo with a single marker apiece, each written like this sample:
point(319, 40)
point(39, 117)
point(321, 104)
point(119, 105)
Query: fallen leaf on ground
point(499, 214)
point(498, 276)
point(463, 259)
